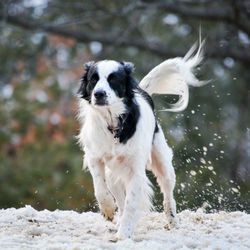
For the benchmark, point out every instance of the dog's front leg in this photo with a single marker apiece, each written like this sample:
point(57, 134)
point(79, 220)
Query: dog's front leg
point(137, 199)
point(104, 198)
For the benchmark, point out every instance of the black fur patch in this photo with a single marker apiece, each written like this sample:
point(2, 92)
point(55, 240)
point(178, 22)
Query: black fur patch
point(128, 67)
point(149, 100)
point(88, 81)
point(147, 97)
point(118, 81)
point(128, 120)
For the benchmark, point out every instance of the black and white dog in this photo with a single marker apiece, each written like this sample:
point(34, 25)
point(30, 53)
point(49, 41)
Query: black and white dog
point(121, 136)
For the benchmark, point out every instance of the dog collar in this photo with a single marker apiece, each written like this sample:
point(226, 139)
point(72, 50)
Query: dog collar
point(112, 129)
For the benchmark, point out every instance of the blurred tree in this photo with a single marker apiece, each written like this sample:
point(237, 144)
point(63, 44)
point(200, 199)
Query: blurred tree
point(43, 46)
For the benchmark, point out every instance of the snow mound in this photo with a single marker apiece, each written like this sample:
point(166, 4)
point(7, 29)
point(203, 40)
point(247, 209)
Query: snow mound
point(26, 228)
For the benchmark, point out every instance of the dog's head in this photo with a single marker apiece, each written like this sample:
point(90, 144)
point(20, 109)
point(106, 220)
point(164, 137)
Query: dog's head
point(107, 82)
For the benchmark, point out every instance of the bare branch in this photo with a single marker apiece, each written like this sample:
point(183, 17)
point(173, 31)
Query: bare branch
point(197, 12)
point(226, 14)
point(110, 39)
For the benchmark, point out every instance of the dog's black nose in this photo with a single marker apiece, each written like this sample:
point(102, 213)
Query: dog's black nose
point(100, 94)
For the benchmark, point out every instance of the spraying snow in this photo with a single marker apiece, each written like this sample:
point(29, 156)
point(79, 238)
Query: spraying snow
point(26, 228)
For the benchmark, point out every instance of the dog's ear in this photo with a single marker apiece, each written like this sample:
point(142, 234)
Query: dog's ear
point(84, 81)
point(132, 84)
point(128, 67)
point(88, 65)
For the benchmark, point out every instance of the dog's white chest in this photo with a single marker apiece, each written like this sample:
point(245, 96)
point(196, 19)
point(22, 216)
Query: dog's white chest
point(98, 139)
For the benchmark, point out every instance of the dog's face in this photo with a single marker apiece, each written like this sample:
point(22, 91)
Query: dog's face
point(106, 82)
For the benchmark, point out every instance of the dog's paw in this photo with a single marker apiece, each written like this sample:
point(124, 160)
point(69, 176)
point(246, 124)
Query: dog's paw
point(114, 239)
point(118, 236)
point(173, 222)
point(108, 216)
point(108, 213)
point(108, 210)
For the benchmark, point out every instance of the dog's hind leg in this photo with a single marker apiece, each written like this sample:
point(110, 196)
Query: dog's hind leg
point(163, 169)
point(104, 198)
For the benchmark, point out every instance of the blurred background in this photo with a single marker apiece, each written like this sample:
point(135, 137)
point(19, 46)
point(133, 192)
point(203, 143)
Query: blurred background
point(43, 46)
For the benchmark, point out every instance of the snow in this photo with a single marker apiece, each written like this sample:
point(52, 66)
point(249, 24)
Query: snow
point(27, 228)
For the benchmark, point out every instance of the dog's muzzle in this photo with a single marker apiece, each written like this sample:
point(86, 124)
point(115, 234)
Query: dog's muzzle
point(100, 97)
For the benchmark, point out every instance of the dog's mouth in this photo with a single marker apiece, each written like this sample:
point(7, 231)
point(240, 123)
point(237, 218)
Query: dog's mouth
point(101, 102)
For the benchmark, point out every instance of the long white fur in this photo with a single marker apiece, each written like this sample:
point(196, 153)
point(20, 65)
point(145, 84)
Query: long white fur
point(118, 170)
point(173, 76)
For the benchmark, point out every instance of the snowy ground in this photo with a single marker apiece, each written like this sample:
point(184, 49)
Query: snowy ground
point(26, 228)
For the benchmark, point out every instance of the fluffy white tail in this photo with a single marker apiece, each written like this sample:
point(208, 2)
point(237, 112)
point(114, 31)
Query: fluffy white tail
point(173, 77)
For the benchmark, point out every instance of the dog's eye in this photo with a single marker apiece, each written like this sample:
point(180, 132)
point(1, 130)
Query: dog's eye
point(112, 78)
point(94, 78)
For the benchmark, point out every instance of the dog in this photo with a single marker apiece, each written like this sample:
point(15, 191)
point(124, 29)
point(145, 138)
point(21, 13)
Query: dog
point(121, 136)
